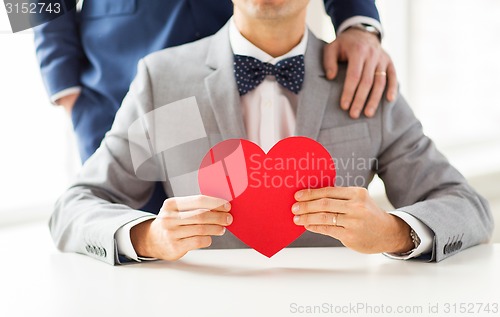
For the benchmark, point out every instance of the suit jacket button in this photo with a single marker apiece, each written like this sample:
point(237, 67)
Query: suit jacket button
point(445, 249)
point(459, 244)
point(104, 252)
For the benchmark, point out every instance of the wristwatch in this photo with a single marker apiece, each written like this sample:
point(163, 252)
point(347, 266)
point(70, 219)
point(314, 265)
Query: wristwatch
point(367, 28)
point(416, 241)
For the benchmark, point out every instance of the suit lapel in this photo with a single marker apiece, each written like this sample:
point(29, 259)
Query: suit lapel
point(221, 87)
point(315, 93)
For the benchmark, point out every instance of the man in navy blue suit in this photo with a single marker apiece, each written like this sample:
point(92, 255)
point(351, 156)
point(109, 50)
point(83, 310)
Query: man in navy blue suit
point(88, 57)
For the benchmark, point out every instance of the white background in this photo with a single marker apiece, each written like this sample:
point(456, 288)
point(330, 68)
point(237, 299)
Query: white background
point(447, 55)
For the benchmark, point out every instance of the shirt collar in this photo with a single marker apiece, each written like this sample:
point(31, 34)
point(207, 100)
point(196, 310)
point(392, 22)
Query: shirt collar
point(242, 46)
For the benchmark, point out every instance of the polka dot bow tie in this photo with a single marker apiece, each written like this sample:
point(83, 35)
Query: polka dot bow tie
point(250, 72)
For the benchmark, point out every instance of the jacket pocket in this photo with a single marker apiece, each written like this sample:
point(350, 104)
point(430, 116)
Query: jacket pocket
point(356, 131)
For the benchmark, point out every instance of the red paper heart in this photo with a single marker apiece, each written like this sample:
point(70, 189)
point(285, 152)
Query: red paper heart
point(261, 186)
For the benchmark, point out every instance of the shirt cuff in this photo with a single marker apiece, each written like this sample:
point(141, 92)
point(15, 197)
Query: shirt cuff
point(64, 93)
point(124, 243)
point(358, 19)
point(424, 233)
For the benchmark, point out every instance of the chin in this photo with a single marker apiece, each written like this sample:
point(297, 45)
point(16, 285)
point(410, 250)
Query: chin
point(271, 9)
point(269, 2)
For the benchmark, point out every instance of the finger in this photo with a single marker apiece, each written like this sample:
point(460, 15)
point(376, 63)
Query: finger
point(173, 219)
point(207, 218)
point(364, 87)
point(326, 192)
point(330, 60)
point(321, 205)
point(353, 76)
point(377, 91)
point(176, 215)
point(322, 219)
point(183, 232)
point(392, 79)
point(194, 243)
point(332, 231)
point(196, 202)
point(189, 213)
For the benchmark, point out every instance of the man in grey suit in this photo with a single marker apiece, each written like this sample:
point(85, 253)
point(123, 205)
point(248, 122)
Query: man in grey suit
point(240, 91)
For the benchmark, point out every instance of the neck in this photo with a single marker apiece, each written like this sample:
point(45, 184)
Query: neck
point(275, 37)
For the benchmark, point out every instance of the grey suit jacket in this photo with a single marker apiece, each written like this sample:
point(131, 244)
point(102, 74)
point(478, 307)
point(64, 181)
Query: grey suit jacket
point(119, 177)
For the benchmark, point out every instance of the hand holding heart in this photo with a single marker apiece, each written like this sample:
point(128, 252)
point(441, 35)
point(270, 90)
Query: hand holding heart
point(350, 215)
point(183, 224)
point(239, 171)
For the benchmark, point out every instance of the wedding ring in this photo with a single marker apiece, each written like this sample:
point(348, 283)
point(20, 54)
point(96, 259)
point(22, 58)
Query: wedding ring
point(380, 74)
point(334, 220)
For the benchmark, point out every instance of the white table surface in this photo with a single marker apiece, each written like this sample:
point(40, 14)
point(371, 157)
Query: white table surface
point(37, 280)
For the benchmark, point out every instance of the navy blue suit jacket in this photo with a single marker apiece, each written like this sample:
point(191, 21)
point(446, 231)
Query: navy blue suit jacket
point(99, 47)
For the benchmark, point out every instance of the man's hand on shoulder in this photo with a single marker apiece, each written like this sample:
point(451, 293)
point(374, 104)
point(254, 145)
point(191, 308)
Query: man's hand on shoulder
point(369, 70)
point(183, 224)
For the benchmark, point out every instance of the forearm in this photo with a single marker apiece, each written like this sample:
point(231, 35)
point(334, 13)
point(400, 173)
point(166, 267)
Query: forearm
point(59, 52)
point(83, 223)
point(457, 215)
point(420, 181)
point(342, 11)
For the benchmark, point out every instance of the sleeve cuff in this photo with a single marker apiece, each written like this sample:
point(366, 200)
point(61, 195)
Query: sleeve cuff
point(361, 19)
point(64, 93)
point(425, 234)
point(124, 244)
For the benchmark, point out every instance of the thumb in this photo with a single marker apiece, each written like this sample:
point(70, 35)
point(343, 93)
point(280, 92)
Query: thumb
point(330, 60)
